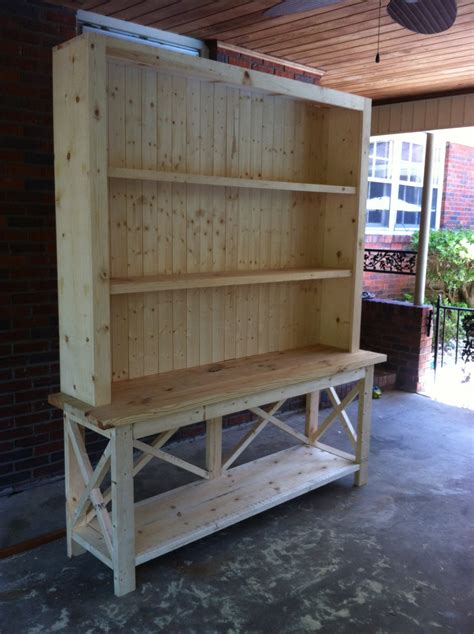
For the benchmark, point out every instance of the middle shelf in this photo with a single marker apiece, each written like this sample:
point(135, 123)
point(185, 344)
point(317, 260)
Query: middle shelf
point(226, 181)
point(181, 281)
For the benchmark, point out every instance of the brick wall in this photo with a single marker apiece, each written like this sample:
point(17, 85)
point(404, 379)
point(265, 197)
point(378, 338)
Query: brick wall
point(30, 430)
point(264, 63)
point(398, 329)
point(384, 285)
point(457, 205)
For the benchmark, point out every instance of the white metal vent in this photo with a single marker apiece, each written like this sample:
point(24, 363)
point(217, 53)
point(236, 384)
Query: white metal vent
point(124, 30)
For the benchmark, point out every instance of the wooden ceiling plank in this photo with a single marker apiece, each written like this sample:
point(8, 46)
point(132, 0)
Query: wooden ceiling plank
point(441, 73)
point(395, 87)
point(361, 30)
point(389, 64)
point(405, 46)
point(256, 22)
point(146, 11)
point(193, 21)
point(318, 56)
point(352, 22)
point(217, 31)
point(108, 7)
point(370, 37)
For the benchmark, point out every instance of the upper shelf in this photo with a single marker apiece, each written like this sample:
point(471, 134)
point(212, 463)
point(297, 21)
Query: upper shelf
point(180, 281)
point(226, 181)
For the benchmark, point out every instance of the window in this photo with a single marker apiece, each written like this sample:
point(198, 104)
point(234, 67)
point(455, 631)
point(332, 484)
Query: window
point(380, 188)
point(396, 166)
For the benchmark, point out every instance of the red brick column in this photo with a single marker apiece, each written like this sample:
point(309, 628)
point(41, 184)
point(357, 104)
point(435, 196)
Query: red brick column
point(399, 330)
point(457, 205)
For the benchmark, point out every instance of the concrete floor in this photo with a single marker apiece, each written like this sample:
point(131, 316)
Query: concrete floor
point(395, 556)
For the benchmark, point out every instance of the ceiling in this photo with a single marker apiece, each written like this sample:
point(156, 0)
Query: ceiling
point(339, 39)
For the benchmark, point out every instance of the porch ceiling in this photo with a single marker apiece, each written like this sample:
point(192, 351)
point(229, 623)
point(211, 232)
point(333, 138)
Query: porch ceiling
point(339, 39)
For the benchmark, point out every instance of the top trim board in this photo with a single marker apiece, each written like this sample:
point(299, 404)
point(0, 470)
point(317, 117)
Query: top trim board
point(218, 72)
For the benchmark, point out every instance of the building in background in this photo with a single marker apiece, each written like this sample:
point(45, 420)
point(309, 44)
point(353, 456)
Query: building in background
point(396, 164)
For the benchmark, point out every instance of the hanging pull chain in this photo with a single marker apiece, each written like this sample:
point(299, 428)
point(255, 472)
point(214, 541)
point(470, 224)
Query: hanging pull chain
point(377, 57)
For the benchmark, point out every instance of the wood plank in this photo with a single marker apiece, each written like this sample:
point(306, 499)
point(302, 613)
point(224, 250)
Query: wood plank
point(179, 517)
point(193, 247)
point(118, 219)
point(250, 436)
point(123, 516)
point(223, 73)
point(81, 226)
point(171, 392)
point(206, 160)
point(228, 278)
point(74, 489)
point(170, 458)
point(364, 420)
point(179, 217)
point(312, 413)
point(76, 437)
point(219, 229)
point(226, 181)
point(134, 221)
point(151, 228)
point(343, 416)
point(436, 113)
point(214, 447)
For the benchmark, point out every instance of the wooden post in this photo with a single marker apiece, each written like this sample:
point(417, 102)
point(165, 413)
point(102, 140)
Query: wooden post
point(123, 511)
point(312, 411)
point(214, 447)
point(74, 487)
point(363, 427)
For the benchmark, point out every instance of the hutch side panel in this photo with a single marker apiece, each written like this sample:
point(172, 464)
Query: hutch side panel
point(346, 138)
point(80, 114)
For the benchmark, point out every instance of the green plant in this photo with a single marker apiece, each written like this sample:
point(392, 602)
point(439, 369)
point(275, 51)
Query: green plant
point(450, 264)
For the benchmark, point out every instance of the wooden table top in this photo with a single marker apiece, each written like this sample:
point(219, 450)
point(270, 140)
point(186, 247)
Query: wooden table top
point(145, 398)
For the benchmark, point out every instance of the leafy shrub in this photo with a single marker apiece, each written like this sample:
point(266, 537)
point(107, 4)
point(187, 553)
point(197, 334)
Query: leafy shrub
point(450, 265)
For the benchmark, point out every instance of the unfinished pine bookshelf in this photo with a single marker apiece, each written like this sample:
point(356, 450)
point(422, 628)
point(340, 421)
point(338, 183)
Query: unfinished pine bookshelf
point(210, 225)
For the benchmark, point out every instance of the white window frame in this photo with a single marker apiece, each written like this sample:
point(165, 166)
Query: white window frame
point(121, 29)
point(397, 139)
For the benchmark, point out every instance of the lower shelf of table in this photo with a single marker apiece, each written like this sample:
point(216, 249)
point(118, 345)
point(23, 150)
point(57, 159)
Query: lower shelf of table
point(180, 516)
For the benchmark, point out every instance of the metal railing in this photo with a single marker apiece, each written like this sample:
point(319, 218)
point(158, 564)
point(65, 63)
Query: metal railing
point(390, 261)
point(463, 325)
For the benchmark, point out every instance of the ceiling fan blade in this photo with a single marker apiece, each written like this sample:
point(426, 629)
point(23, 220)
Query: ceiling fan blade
point(423, 16)
point(288, 7)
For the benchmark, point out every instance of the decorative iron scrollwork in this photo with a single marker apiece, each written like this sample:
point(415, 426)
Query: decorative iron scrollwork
point(467, 353)
point(389, 261)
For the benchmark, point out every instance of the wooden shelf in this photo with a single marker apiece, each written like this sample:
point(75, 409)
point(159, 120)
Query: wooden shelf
point(226, 181)
point(198, 389)
point(175, 518)
point(172, 282)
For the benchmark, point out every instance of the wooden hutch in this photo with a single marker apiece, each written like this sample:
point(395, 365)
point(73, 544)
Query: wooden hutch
point(210, 225)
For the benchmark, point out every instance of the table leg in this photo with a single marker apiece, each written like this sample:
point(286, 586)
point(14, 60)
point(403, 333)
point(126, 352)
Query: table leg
point(123, 511)
point(74, 485)
point(364, 418)
point(312, 412)
point(214, 447)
